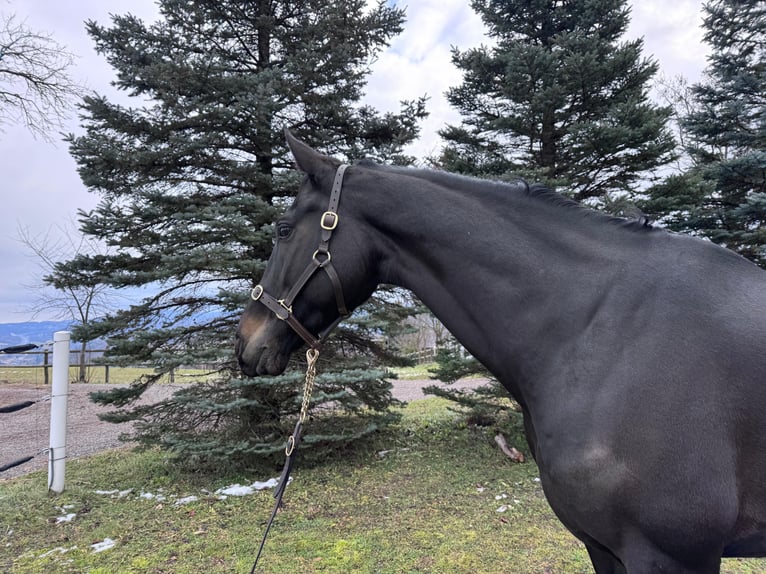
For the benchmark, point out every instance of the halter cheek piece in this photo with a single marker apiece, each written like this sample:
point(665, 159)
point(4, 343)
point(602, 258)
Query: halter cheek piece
point(322, 259)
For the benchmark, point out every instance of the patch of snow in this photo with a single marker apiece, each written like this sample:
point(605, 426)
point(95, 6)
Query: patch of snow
point(59, 550)
point(240, 490)
point(503, 508)
point(66, 518)
point(501, 496)
point(384, 453)
point(149, 496)
point(105, 544)
point(114, 493)
point(186, 500)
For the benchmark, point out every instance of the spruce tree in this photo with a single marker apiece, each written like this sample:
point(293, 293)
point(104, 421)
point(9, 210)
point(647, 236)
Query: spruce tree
point(557, 98)
point(191, 178)
point(722, 195)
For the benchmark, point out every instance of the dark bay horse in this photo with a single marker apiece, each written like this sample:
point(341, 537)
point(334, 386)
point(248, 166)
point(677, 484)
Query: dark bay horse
point(638, 356)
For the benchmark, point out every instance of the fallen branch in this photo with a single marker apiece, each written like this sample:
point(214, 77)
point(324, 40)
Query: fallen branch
point(509, 451)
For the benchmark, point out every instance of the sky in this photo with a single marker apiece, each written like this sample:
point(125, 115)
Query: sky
point(39, 185)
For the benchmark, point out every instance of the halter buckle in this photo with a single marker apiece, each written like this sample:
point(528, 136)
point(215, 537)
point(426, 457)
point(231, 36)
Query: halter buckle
point(256, 293)
point(329, 220)
point(286, 307)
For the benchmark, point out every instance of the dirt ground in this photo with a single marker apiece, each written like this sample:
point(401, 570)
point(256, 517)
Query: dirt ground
point(26, 432)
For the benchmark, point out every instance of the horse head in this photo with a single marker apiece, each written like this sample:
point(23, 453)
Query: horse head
point(320, 268)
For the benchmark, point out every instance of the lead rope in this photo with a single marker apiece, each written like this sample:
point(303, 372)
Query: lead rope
point(292, 444)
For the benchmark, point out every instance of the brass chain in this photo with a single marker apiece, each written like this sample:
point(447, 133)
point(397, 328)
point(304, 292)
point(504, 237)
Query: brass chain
point(311, 372)
point(308, 387)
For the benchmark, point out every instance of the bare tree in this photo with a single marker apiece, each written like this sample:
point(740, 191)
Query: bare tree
point(35, 86)
point(80, 304)
point(676, 93)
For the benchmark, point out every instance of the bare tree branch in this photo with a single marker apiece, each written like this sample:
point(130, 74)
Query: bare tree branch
point(60, 243)
point(79, 304)
point(35, 86)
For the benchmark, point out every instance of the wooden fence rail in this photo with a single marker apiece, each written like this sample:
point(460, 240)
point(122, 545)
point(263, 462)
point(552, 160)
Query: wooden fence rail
point(424, 355)
point(46, 364)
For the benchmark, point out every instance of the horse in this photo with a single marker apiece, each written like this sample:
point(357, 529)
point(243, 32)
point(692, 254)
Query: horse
point(637, 355)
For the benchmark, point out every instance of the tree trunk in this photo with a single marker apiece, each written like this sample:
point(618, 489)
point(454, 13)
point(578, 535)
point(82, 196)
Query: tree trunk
point(548, 143)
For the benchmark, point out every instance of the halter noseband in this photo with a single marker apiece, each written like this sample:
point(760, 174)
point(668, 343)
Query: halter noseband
point(283, 308)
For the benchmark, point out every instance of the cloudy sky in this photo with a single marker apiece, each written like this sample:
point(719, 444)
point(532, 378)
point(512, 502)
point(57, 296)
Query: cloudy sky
point(40, 188)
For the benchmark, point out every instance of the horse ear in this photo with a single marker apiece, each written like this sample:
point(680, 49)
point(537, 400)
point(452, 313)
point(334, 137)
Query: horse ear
point(308, 159)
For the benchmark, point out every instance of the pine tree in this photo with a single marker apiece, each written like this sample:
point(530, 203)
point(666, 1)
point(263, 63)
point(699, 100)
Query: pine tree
point(483, 405)
point(190, 180)
point(722, 195)
point(558, 98)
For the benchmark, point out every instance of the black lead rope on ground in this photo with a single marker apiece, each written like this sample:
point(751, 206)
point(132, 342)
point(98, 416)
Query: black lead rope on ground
point(292, 447)
point(295, 439)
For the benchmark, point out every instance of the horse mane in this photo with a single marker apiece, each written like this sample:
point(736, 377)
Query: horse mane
point(536, 191)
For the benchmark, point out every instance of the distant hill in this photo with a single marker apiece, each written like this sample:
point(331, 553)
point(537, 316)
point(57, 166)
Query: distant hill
point(12, 334)
point(36, 333)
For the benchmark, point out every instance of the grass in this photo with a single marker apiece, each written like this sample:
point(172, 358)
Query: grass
point(126, 375)
point(420, 371)
point(426, 504)
point(416, 372)
point(96, 375)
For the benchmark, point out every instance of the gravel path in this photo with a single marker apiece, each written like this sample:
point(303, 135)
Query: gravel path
point(25, 433)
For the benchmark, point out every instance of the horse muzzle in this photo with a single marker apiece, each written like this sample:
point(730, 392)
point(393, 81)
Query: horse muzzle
point(261, 360)
point(262, 351)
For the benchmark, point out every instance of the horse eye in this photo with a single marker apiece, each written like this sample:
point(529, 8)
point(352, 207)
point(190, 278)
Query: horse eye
point(283, 231)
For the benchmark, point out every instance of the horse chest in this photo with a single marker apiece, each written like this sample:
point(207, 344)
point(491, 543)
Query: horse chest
point(584, 475)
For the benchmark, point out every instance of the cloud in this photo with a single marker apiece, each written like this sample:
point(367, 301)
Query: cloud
point(672, 33)
point(40, 184)
point(419, 63)
point(419, 60)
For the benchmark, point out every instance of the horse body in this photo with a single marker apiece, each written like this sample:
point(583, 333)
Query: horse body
point(635, 354)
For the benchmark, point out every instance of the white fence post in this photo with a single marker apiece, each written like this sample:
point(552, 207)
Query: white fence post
point(59, 397)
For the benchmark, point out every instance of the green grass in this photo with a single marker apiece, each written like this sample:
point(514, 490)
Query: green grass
point(96, 375)
point(427, 505)
point(415, 372)
point(419, 372)
point(125, 375)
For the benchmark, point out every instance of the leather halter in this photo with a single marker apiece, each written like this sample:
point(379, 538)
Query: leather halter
point(322, 259)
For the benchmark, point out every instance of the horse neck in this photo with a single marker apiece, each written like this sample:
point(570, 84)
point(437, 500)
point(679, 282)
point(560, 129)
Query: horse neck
point(501, 271)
